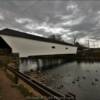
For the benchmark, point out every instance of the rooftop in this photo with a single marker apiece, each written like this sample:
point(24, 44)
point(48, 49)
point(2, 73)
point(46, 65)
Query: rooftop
point(16, 33)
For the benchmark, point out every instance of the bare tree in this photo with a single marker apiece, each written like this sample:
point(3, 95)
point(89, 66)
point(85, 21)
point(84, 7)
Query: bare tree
point(74, 37)
point(56, 37)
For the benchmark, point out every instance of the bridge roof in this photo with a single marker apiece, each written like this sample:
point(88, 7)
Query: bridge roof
point(16, 33)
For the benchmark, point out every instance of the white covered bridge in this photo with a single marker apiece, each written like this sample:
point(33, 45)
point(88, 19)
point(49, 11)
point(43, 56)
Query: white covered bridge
point(30, 45)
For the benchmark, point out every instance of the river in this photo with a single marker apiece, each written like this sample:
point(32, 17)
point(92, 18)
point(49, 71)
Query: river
point(82, 79)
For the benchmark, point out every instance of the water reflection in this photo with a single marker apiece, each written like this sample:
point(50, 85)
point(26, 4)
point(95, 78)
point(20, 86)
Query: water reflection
point(80, 78)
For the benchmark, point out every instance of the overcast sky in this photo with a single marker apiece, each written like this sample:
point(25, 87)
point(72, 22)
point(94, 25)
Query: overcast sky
point(46, 17)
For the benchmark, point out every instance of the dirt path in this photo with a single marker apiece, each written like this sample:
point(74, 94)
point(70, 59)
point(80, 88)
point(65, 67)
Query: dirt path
point(8, 92)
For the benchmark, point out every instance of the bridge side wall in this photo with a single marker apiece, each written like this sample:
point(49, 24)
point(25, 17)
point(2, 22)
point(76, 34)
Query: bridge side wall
point(28, 47)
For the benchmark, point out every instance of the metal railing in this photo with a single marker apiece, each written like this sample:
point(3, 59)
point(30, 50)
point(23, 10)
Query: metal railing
point(41, 88)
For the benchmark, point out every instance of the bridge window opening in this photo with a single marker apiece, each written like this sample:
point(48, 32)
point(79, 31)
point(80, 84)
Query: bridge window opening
point(53, 47)
point(66, 48)
point(4, 47)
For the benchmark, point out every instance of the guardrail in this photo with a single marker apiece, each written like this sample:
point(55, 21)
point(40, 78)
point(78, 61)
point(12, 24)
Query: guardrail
point(41, 88)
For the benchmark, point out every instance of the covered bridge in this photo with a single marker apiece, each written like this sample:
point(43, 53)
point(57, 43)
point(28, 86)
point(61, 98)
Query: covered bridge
point(31, 45)
point(35, 52)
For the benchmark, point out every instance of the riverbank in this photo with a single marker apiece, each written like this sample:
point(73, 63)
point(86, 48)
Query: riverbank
point(7, 92)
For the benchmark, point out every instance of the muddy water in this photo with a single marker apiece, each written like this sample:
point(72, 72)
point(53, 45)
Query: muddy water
point(82, 79)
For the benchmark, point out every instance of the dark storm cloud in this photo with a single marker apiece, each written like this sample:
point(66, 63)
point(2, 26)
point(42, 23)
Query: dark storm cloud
point(66, 17)
point(84, 27)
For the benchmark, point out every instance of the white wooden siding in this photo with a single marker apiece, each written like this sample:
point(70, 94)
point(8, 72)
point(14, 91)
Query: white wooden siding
point(28, 47)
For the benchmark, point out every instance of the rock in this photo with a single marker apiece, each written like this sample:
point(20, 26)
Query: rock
point(93, 83)
point(73, 82)
point(78, 78)
point(96, 79)
point(84, 77)
point(61, 86)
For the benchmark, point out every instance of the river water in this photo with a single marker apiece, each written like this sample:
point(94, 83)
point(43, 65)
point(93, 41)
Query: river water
point(82, 79)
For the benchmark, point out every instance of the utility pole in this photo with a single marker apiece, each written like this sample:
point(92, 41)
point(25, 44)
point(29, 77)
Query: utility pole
point(88, 43)
point(94, 45)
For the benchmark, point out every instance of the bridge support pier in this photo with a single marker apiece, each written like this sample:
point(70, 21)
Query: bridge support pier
point(43, 62)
